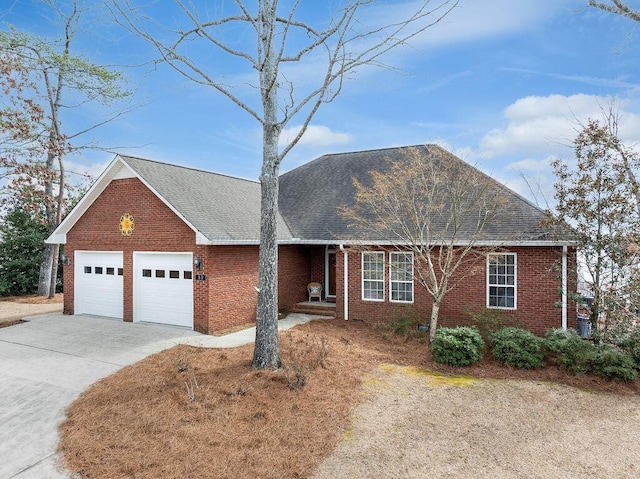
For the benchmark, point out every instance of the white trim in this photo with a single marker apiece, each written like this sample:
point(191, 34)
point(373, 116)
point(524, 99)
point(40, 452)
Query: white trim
point(391, 281)
point(362, 280)
point(381, 242)
point(564, 286)
point(346, 282)
point(515, 282)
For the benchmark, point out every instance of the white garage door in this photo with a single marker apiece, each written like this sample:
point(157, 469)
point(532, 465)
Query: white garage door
point(163, 288)
point(98, 283)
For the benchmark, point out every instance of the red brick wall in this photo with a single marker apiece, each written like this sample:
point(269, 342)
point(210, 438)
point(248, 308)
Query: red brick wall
point(293, 274)
point(317, 266)
point(233, 278)
point(538, 293)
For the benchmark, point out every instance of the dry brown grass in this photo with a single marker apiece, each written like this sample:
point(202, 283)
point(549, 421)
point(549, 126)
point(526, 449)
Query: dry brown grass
point(141, 422)
point(34, 299)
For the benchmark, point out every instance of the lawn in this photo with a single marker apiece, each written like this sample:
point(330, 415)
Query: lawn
point(373, 407)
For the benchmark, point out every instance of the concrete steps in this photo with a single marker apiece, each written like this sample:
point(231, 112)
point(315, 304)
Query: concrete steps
point(323, 308)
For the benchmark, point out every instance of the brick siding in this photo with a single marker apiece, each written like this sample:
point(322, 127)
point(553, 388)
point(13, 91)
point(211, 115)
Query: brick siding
point(538, 293)
point(228, 298)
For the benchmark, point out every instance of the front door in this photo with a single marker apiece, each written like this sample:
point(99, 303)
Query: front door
point(331, 274)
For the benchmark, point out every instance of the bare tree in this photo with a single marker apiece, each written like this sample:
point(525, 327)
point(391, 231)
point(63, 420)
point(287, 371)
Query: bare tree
point(58, 81)
point(335, 49)
point(432, 205)
point(618, 7)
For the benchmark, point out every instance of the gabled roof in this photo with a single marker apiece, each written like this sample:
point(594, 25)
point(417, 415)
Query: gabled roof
point(220, 209)
point(311, 195)
point(226, 210)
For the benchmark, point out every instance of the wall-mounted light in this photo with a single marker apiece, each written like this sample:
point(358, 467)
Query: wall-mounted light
point(197, 263)
point(65, 259)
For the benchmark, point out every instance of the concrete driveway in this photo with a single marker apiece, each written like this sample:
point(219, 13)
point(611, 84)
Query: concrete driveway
point(48, 361)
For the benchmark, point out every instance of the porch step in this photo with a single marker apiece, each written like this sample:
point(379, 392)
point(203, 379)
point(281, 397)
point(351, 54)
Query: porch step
point(315, 307)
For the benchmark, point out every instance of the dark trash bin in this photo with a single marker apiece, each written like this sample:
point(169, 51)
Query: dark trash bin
point(584, 326)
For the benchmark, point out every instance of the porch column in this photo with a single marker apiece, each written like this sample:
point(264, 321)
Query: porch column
point(564, 286)
point(346, 282)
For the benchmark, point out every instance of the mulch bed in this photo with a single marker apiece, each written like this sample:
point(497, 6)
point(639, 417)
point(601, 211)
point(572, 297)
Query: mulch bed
point(189, 412)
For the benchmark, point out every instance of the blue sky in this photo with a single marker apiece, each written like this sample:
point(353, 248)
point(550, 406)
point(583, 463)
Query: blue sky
point(501, 83)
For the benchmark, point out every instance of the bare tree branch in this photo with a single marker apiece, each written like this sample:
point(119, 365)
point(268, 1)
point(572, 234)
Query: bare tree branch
point(617, 7)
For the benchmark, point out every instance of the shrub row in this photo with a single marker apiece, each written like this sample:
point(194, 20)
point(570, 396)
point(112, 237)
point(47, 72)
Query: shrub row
point(520, 348)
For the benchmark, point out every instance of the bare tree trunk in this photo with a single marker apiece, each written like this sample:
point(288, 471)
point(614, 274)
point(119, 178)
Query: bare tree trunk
point(266, 353)
point(433, 323)
point(44, 281)
point(54, 270)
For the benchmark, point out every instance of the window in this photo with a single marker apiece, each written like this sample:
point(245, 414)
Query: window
point(501, 280)
point(146, 273)
point(98, 270)
point(174, 274)
point(111, 271)
point(187, 275)
point(120, 271)
point(401, 274)
point(87, 269)
point(159, 273)
point(373, 276)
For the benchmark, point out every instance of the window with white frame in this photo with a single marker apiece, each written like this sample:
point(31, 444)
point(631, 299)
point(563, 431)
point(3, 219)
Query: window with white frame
point(501, 280)
point(373, 276)
point(401, 277)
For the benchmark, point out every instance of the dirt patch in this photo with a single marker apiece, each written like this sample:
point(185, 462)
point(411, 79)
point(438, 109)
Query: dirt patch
point(418, 425)
point(142, 422)
point(14, 308)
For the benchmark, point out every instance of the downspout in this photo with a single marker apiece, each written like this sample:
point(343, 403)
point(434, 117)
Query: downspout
point(564, 286)
point(346, 282)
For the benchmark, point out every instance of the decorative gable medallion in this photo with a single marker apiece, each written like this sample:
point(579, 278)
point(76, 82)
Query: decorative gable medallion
point(127, 224)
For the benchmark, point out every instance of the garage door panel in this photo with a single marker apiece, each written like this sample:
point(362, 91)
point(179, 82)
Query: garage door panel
point(163, 288)
point(98, 284)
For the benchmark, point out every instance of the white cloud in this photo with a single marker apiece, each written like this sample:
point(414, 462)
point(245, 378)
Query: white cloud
point(530, 165)
point(77, 172)
point(314, 136)
point(473, 20)
point(547, 125)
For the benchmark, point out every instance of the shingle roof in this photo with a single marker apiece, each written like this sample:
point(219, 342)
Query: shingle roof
point(224, 209)
point(311, 195)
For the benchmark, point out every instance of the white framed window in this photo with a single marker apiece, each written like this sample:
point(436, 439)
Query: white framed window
point(401, 277)
point(502, 279)
point(373, 276)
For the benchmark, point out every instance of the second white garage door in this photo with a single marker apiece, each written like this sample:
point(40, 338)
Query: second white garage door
point(163, 288)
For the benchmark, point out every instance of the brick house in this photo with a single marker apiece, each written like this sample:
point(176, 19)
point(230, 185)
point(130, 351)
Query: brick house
point(161, 243)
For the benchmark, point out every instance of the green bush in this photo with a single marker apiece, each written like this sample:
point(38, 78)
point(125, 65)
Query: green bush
point(608, 362)
point(517, 348)
point(457, 346)
point(567, 349)
point(630, 344)
point(21, 252)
